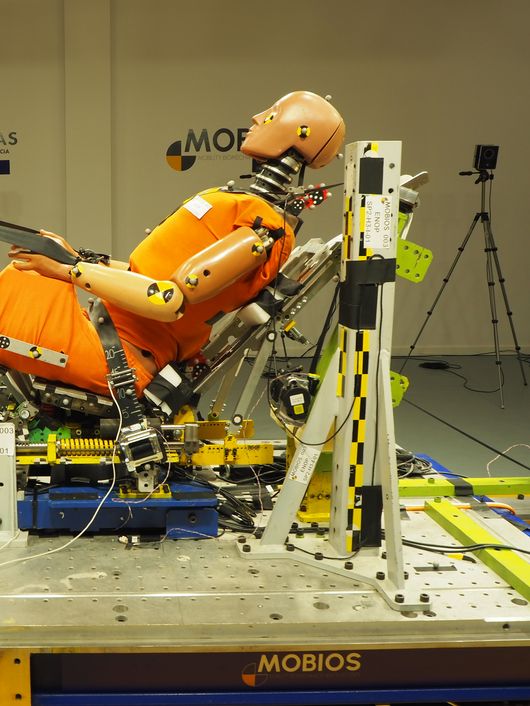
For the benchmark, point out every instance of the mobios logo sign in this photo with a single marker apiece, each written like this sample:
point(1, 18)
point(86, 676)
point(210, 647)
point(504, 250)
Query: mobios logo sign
point(182, 154)
point(257, 673)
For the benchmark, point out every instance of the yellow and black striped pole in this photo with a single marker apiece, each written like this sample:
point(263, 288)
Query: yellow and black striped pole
point(361, 457)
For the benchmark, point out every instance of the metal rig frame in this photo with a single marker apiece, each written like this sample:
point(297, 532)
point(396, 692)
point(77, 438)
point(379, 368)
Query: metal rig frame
point(353, 407)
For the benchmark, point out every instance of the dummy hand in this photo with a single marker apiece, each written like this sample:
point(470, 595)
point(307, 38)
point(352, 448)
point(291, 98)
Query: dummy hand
point(24, 260)
point(59, 238)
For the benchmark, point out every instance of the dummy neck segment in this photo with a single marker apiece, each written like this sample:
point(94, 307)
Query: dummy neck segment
point(275, 177)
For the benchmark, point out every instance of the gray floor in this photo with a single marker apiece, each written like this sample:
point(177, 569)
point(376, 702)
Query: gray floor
point(443, 394)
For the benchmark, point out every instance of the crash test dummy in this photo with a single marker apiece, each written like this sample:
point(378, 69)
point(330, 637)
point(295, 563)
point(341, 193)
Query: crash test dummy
point(212, 255)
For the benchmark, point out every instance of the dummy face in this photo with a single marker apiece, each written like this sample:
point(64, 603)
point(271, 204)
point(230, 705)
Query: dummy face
point(300, 120)
point(265, 139)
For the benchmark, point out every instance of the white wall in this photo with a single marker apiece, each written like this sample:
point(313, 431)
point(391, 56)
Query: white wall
point(98, 90)
point(32, 105)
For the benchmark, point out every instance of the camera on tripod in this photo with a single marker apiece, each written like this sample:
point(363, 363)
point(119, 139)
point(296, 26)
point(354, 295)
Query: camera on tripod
point(485, 161)
point(485, 157)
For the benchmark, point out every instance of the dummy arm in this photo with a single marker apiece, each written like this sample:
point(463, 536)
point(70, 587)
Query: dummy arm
point(111, 281)
point(199, 278)
point(159, 300)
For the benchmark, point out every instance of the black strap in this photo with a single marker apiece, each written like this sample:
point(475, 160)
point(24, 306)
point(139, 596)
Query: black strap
point(462, 487)
point(284, 285)
point(121, 377)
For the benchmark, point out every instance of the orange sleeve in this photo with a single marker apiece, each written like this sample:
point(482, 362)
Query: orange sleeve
point(249, 210)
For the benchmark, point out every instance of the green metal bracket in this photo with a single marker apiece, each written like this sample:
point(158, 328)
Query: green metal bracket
point(398, 387)
point(505, 562)
point(39, 435)
point(412, 261)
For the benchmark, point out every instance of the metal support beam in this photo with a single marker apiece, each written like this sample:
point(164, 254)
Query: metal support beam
point(9, 532)
point(297, 479)
point(509, 565)
point(243, 405)
point(457, 487)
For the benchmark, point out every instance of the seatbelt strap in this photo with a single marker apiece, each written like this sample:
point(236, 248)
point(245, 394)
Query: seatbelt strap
point(121, 377)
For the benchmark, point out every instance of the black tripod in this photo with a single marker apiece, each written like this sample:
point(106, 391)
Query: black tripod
point(493, 268)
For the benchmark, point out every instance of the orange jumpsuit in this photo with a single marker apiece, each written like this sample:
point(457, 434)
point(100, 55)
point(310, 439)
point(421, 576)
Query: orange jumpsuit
point(46, 312)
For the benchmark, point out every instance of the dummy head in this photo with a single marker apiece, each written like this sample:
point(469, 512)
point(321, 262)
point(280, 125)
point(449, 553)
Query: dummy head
point(301, 121)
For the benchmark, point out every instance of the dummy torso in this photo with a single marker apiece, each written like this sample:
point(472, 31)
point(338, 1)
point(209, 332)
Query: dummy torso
point(177, 238)
point(44, 311)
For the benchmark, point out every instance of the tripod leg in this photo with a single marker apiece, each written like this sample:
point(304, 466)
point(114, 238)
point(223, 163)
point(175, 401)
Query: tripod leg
point(444, 284)
point(495, 256)
point(493, 305)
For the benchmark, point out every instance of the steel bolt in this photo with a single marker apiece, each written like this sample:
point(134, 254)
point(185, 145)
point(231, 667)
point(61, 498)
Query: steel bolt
point(246, 548)
point(424, 597)
point(399, 598)
point(348, 565)
point(319, 556)
point(289, 547)
point(380, 575)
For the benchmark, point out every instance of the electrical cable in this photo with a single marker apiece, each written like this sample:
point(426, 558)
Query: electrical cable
point(377, 371)
point(473, 389)
point(9, 541)
point(233, 513)
point(513, 446)
point(460, 355)
point(145, 543)
point(444, 549)
point(327, 323)
point(347, 417)
point(408, 464)
point(276, 471)
point(294, 435)
point(96, 512)
point(460, 549)
point(444, 366)
point(466, 434)
point(259, 487)
point(329, 558)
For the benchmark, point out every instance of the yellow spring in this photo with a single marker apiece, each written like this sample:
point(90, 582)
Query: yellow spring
point(82, 447)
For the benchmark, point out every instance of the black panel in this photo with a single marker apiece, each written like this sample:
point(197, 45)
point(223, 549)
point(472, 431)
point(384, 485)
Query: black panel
point(353, 667)
point(371, 175)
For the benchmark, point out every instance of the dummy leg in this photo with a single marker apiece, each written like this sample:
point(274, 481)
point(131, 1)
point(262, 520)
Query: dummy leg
point(46, 312)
